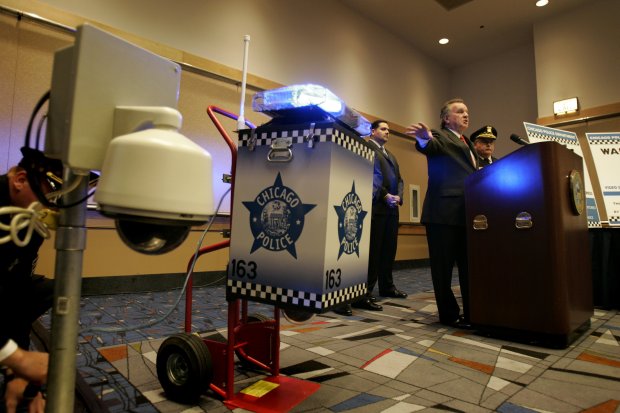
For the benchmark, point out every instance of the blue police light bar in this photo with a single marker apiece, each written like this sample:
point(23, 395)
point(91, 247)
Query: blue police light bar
point(282, 100)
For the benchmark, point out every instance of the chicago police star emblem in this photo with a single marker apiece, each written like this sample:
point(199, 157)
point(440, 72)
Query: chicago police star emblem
point(350, 223)
point(277, 218)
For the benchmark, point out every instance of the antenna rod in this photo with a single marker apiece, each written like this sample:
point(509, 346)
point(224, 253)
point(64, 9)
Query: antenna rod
point(241, 120)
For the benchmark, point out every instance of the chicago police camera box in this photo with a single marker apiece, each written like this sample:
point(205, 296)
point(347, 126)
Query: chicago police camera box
point(301, 216)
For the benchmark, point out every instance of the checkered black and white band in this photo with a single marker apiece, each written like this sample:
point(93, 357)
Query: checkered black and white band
point(320, 134)
point(610, 141)
point(563, 141)
point(285, 296)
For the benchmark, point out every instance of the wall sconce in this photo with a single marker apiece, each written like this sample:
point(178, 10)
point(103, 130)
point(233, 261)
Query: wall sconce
point(566, 106)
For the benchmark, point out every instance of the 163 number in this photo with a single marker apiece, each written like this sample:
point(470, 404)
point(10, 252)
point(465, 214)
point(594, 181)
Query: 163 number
point(242, 269)
point(333, 278)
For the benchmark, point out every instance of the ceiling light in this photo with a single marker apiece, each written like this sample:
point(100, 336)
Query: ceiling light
point(542, 3)
point(444, 41)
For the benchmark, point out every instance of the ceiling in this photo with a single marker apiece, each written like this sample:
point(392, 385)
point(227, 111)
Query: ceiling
point(476, 28)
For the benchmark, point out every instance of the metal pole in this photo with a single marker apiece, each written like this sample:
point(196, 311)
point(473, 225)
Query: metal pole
point(70, 245)
point(244, 74)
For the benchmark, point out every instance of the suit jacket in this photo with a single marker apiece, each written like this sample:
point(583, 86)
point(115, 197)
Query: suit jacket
point(386, 179)
point(482, 162)
point(449, 163)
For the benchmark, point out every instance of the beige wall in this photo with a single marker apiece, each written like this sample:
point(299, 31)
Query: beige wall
point(25, 67)
point(500, 91)
point(293, 41)
point(577, 54)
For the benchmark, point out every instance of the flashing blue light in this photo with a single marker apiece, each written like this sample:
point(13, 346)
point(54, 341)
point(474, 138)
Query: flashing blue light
point(303, 96)
point(298, 96)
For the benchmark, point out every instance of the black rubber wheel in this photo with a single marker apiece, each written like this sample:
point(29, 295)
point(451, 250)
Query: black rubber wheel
point(184, 367)
point(297, 315)
point(258, 318)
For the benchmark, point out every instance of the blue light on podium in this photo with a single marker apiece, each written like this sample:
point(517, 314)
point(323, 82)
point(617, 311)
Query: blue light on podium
point(511, 180)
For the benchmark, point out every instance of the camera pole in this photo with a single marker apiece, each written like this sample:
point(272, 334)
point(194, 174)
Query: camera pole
point(70, 245)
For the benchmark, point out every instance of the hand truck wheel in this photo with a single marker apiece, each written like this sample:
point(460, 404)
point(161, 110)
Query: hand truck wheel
point(184, 367)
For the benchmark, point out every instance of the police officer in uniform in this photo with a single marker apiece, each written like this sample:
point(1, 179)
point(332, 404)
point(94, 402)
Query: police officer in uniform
point(484, 143)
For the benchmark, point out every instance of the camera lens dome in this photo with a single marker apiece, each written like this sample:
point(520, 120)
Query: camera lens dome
point(152, 237)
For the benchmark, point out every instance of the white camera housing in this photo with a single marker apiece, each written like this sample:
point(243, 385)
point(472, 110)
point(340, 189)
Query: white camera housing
point(156, 173)
point(152, 177)
point(113, 109)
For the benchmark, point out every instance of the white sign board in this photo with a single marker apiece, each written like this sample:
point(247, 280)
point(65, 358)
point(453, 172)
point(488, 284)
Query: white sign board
point(537, 133)
point(605, 148)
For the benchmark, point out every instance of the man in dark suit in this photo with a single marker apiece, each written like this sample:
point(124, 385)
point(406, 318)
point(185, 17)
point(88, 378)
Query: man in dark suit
point(484, 143)
point(387, 196)
point(451, 158)
point(387, 191)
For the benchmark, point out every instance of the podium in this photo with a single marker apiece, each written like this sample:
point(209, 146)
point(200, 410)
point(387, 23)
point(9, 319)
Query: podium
point(528, 247)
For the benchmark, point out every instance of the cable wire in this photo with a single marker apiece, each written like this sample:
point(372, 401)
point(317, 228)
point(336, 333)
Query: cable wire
point(30, 218)
point(189, 273)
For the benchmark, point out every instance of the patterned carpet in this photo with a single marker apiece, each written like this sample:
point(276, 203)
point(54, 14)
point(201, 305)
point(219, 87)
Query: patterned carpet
point(397, 360)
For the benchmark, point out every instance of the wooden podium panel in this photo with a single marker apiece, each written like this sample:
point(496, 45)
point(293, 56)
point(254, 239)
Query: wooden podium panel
point(530, 278)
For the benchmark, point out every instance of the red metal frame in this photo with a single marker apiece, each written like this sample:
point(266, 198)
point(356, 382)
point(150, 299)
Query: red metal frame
point(262, 339)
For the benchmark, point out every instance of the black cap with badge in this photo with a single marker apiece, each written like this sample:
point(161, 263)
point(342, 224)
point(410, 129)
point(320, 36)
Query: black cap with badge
point(485, 132)
point(41, 169)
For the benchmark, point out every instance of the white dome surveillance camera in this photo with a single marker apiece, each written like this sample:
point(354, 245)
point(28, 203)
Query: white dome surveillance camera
point(156, 183)
point(113, 109)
